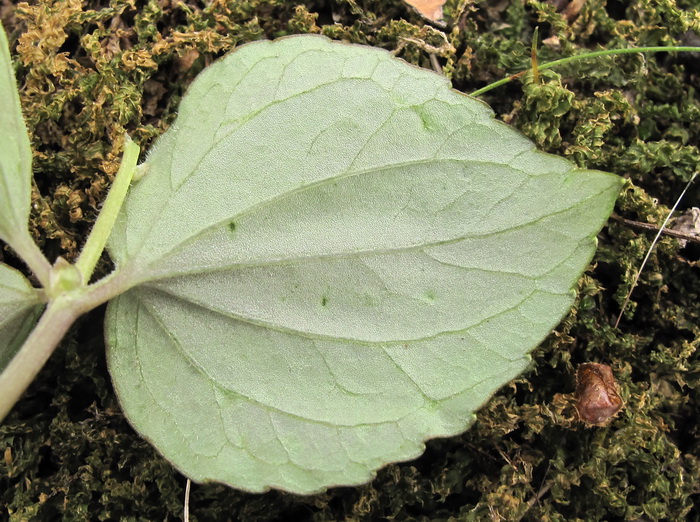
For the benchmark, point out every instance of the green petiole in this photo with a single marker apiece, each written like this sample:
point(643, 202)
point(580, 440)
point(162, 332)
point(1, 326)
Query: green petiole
point(97, 239)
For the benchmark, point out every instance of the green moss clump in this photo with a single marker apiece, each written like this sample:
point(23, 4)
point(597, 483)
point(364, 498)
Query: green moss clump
point(91, 71)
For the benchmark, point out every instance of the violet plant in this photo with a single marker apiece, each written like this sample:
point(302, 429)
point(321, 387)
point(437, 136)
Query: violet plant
point(329, 258)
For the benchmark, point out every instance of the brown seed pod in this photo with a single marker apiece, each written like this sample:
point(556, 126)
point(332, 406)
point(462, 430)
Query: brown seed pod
point(597, 397)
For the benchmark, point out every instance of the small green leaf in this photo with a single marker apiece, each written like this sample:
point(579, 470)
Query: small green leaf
point(20, 306)
point(337, 257)
point(15, 154)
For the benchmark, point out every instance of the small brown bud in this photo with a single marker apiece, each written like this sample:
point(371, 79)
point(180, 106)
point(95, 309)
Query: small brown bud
point(597, 397)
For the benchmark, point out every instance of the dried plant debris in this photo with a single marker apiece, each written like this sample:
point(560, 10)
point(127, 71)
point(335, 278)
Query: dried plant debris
point(688, 223)
point(597, 397)
point(568, 8)
point(431, 9)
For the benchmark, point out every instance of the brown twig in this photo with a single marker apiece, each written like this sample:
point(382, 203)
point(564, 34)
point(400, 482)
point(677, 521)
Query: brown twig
point(655, 228)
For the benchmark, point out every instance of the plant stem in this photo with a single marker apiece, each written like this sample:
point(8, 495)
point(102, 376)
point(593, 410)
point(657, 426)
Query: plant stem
point(31, 254)
point(35, 351)
point(60, 313)
point(97, 239)
point(585, 56)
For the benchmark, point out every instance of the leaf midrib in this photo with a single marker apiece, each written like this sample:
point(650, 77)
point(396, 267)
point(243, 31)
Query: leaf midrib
point(154, 276)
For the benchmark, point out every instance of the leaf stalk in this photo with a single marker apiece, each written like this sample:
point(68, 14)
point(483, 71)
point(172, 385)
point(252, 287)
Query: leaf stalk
point(34, 258)
point(59, 315)
point(35, 351)
point(99, 235)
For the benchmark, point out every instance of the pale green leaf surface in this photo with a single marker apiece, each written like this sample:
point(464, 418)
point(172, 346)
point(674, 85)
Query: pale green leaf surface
point(15, 153)
point(339, 257)
point(20, 306)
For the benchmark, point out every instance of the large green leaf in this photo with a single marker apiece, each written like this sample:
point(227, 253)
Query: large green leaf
point(15, 153)
point(338, 258)
point(20, 306)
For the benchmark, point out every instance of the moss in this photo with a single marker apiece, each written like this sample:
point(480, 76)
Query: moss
point(91, 71)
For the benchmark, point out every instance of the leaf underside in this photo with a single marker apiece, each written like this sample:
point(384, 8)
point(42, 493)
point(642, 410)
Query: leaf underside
point(20, 307)
point(338, 257)
point(15, 154)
